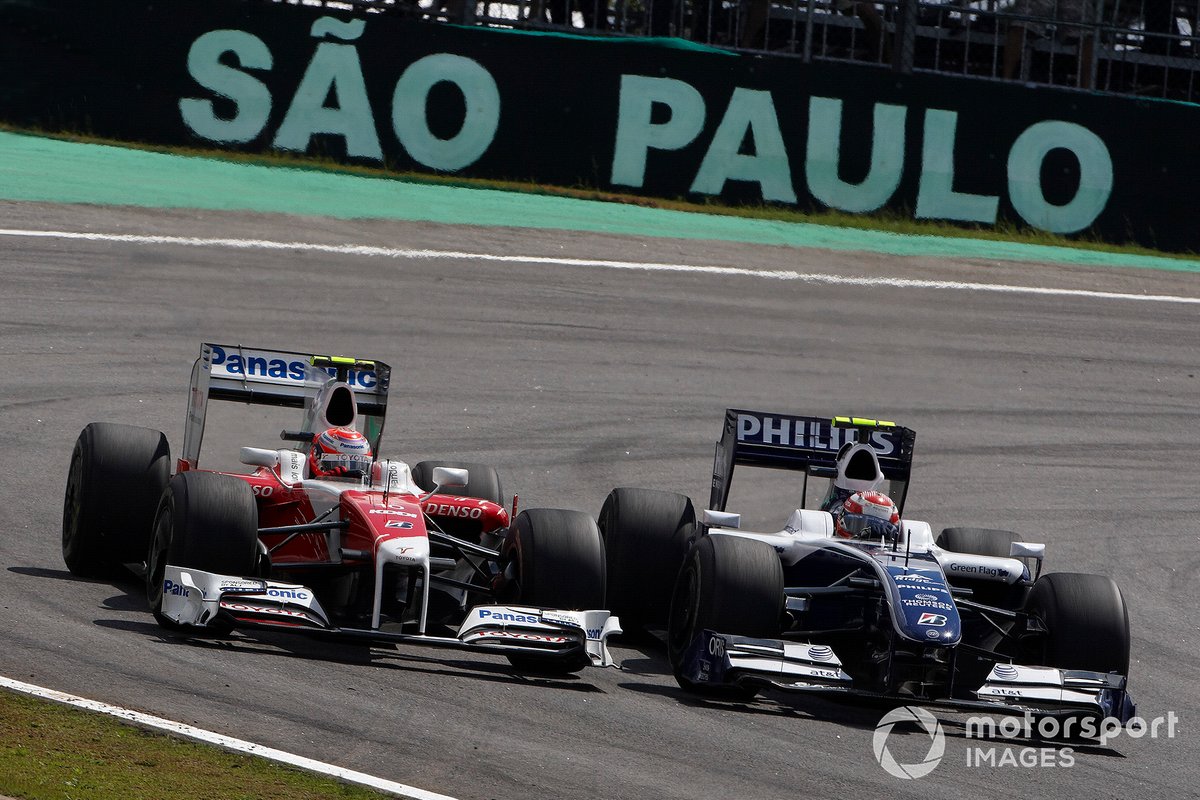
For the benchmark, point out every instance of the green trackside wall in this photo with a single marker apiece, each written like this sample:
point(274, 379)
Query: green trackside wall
point(657, 117)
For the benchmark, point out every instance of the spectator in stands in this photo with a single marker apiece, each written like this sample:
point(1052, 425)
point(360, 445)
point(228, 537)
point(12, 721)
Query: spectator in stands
point(659, 16)
point(1075, 12)
point(753, 31)
point(1158, 17)
point(594, 13)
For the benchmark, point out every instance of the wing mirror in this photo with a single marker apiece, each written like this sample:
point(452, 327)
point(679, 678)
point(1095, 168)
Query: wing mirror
point(259, 457)
point(449, 478)
point(1032, 550)
point(1027, 550)
point(721, 519)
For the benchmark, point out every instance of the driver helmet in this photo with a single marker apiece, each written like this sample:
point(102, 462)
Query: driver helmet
point(868, 515)
point(340, 453)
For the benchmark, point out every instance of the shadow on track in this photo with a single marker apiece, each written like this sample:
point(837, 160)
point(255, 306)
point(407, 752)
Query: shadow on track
point(298, 646)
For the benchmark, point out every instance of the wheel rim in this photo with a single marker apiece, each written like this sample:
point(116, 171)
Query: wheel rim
point(73, 501)
point(684, 611)
point(156, 565)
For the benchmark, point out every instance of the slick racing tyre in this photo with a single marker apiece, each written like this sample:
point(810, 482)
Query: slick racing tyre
point(1087, 623)
point(205, 521)
point(729, 585)
point(559, 563)
point(116, 477)
point(978, 541)
point(483, 481)
point(646, 536)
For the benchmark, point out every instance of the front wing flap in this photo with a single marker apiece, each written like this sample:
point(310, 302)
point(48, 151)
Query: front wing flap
point(196, 598)
point(716, 659)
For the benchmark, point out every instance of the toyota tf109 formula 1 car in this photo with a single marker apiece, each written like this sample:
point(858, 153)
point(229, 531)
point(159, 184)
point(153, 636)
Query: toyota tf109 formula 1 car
point(425, 555)
point(964, 620)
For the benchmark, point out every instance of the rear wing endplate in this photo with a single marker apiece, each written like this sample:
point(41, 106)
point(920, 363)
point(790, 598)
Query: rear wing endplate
point(279, 378)
point(806, 444)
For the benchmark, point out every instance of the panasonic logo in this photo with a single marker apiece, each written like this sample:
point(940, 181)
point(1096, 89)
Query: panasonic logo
point(287, 594)
point(271, 365)
point(506, 616)
point(172, 588)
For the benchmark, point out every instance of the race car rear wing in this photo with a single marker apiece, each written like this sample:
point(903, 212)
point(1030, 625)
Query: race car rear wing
point(279, 378)
point(806, 444)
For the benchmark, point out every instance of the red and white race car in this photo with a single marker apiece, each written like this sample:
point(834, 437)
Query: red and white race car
point(427, 554)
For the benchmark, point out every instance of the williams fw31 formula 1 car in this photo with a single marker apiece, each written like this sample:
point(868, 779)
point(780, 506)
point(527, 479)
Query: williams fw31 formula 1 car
point(965, 620)
point(385, 552)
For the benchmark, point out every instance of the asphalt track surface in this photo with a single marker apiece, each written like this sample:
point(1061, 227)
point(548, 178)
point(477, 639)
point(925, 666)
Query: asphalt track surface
point(1068, 418)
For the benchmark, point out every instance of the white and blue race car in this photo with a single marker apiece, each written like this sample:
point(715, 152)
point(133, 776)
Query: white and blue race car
point(965, 619)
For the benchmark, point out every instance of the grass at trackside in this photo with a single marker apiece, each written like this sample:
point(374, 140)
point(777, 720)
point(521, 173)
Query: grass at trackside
point(891, 222)
point(49, 751)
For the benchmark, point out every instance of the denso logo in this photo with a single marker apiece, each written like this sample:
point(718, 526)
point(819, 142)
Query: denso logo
point(506, 616)
point(287, 594)
point(447, 510)
point(172, 588)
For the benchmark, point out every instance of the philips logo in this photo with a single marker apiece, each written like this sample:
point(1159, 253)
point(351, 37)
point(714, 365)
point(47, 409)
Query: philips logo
point(507, 616)
point(172, 588)
point(811, 434)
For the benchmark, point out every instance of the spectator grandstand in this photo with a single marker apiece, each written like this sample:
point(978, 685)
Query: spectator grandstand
point(1147, 48)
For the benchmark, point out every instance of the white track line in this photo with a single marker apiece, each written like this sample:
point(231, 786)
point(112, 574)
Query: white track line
point(227, 742)
point(779, 275)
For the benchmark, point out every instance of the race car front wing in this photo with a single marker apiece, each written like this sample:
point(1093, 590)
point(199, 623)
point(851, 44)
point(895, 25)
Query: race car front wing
point(200, 599)
point(716, 659)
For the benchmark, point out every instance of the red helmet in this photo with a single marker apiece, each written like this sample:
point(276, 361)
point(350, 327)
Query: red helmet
point(868, 515)
point(340, 453)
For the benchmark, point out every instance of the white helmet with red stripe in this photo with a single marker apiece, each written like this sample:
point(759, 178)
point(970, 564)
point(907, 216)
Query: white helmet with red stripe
point(868, 515)
point(340, 453)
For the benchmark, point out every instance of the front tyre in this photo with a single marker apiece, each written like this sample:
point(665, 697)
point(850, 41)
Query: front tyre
point(205, 521)
point(1087, 623)
point(116, 477)
point(730, 585)
point(558, 562)
point(646, 537)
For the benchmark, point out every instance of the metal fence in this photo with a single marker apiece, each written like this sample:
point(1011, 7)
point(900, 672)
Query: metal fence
point(1140, 47)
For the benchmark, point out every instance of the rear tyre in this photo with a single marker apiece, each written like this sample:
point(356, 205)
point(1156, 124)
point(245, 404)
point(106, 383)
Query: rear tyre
point(116, 477)
point(729, 585)
point(559, 563)
point(1087, 622)
point(483, 481)
point(646, 536)
point(205, 521)
point(978, 541)
point(985, 542)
